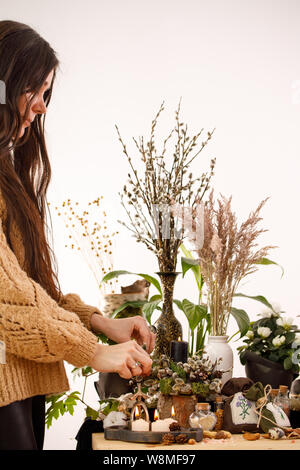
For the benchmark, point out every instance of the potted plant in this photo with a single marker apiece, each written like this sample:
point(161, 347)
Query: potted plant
point(270, 350)
point(226, 255)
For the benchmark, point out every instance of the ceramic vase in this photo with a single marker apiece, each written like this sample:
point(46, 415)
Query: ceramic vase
point(218, 348)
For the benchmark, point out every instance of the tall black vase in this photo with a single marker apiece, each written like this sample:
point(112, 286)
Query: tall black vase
point(168, 328)
point(262, 370)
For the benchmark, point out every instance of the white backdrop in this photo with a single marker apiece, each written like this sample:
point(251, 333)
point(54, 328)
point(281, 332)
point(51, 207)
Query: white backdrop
point(235, 63)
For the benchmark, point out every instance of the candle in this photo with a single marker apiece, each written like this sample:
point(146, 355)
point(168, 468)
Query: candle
point(179, 350)
point(139, 424)
point(161, 425)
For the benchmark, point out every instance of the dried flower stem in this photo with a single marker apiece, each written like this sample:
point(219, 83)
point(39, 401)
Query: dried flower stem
point(152, 194)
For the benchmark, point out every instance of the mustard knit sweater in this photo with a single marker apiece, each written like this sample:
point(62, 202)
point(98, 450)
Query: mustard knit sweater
point(39, 334)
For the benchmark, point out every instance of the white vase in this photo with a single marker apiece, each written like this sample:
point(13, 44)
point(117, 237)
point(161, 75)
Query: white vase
point(217, 348)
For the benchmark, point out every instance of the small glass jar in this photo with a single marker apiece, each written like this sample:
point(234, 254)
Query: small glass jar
point(219, 412)
point(203, 417)
point(295, 403)
point(273, 394)
point(282, 399)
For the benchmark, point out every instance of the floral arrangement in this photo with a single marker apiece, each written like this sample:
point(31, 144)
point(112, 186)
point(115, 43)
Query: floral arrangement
point(198, 376)
point(273, 337)
point(163, 181)
point(226, 255)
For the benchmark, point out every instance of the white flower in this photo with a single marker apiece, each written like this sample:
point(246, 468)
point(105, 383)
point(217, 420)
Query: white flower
point(278, 340)
point(264, 331)
point(268, 312)
point(250, 334)
point(285, 322)
point(297, 339)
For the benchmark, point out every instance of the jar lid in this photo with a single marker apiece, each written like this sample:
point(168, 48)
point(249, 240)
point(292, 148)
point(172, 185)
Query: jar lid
point(219, 399)
point(283, 388)
point(203, 406)
point(274, 391)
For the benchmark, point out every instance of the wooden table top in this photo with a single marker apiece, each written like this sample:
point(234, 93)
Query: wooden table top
point(236, 442)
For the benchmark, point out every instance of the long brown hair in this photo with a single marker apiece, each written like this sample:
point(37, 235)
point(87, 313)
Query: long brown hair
point(26, 59)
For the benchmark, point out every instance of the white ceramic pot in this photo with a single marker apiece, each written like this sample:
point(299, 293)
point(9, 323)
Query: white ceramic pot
point(217, 348)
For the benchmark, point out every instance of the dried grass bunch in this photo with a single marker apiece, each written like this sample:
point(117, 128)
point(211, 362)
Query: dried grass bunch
point(163, 181)
point(227, 255)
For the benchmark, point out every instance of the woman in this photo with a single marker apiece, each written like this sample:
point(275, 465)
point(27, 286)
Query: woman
point(39, 326)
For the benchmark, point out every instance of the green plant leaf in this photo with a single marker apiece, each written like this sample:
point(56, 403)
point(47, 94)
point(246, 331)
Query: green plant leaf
point(147, 277)
point(91, 413)
point(259, 298)
point(152, 280)
point(266, 261)
point(287, 364)
point(59, 406)
point(194, 313)
point(113, 274)
point(242, 319)
point(178, 303)
point(149, 308)
point(133, 303)
point(188, 262)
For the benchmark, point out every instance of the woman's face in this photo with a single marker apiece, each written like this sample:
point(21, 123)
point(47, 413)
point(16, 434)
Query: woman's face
point(37, 106)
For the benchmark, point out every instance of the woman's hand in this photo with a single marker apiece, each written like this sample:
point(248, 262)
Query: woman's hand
point(124, 329)
point(127, 359)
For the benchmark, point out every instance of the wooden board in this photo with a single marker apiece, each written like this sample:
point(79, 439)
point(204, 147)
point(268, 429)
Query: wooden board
point(118, 433)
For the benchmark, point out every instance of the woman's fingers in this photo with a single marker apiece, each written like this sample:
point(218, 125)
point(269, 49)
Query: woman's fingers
point(143, 334)
point(135, 368)
point(125, 372)
point(152, 342)
point(143, 358)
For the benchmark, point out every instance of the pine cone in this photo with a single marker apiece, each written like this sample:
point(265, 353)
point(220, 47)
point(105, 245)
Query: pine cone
point(175, 426)
point(181, 439)
point(168, 439)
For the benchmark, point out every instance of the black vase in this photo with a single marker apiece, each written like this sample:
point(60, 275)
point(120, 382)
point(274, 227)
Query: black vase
point(265, 371)
point(168, 328)
point(111, 385)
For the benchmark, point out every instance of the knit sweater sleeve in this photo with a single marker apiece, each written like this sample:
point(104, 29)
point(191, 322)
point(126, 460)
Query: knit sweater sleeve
point(74, 303)
point(32, 324)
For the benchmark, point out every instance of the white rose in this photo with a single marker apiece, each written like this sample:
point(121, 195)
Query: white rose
point(268, 312)
point(297, 339)
point(265, 313)
point(278, 341)
point(286, 323)
point(264, 331)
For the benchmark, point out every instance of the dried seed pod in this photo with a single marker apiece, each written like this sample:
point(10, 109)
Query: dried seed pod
point(168, 439)
point(181, 439)
point(175, 426)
